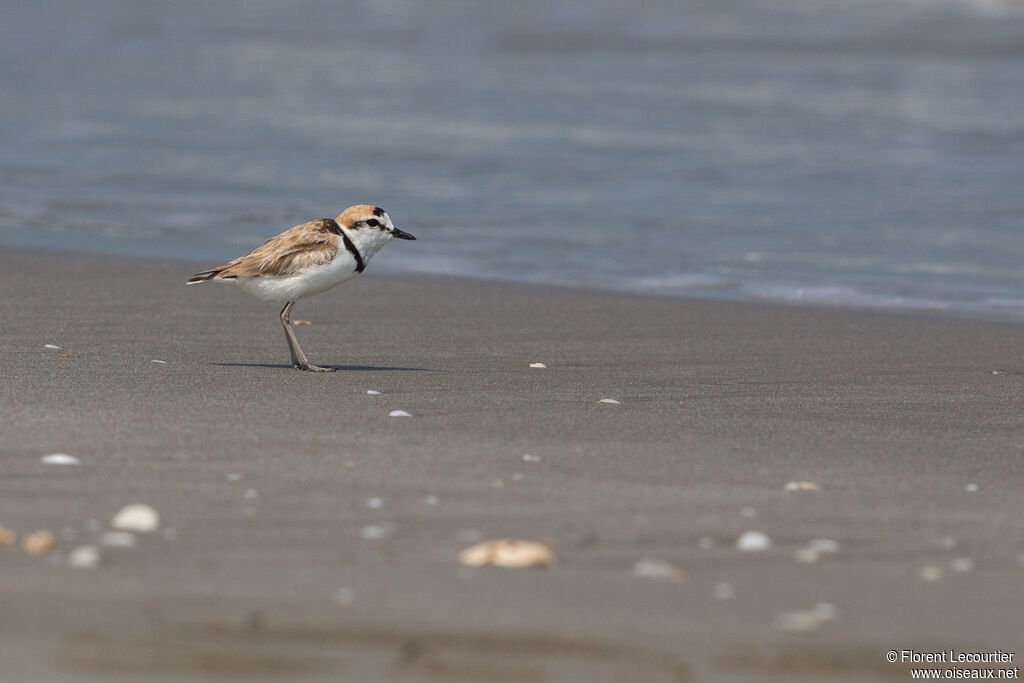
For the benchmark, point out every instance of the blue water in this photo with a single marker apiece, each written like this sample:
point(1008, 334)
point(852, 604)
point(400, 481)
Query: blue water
point(851, 152)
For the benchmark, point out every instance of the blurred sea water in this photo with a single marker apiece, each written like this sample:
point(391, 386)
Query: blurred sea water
point(865, 153)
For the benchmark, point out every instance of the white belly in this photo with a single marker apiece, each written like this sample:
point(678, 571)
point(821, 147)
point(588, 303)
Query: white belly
point(311, 281)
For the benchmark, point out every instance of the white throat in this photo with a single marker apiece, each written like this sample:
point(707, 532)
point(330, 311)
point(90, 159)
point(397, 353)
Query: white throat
point(368, 240)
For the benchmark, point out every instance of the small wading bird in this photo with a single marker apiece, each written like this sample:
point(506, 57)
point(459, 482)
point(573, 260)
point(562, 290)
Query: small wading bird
point(306, 260)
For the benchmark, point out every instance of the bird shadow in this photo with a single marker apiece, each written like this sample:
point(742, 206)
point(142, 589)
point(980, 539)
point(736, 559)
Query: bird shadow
point(339, 368)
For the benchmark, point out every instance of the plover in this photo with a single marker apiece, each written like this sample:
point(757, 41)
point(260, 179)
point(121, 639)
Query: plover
point(309, 259)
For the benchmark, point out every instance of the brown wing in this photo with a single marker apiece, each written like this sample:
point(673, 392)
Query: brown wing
point(309, 244)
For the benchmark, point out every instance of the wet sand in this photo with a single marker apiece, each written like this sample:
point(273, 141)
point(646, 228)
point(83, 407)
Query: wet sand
point(721, 405)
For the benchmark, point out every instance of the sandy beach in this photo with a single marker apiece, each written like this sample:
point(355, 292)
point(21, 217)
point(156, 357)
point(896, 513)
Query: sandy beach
point(315, 538)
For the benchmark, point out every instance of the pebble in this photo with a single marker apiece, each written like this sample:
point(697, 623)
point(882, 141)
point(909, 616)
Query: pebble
point(54, 347)
point(84, 557)
point(801, 486)
point(137, 517)
point(344, 596)
point(609, 400)
point(537, 365)
point(59, 459)
point(399, 413)
point(374, 503)
point(509, 553)
point(376, 532)
point(431, 500)
point(158, 362)
point(753, 542)
point(531, 458)
point(971, 487)
point(962, 565)
point(723, 591)
point(117, 539)
point(930, 574)
point(659, 570)
point(7, 537)
point(373, 392)
point(38, 542)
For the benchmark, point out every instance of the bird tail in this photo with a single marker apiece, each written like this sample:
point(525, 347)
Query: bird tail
point(204, 276)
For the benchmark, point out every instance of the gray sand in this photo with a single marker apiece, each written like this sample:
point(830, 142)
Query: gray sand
point(721, 405)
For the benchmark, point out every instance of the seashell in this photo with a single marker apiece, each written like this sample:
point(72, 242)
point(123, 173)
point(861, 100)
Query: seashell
point(137, 517)
point(509, 553)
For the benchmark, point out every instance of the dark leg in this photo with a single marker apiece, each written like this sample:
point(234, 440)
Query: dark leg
point(299, 359)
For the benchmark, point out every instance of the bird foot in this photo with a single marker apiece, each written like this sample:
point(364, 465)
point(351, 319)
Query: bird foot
point(312, 368)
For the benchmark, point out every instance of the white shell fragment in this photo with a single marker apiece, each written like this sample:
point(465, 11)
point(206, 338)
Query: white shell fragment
point(659, 570)
point(509, 553)
point(801, 486)
point(753, 542)
point(84, 557)
point(399, 413)
point(531, 458)
point(537, 365)
point(54, 347)
point(59, 459)
point(609, 400)
point(138, 517)
point(971, 488)
point(158, 361)
point(117, 539)
point(815, 549)
point(372, 392)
